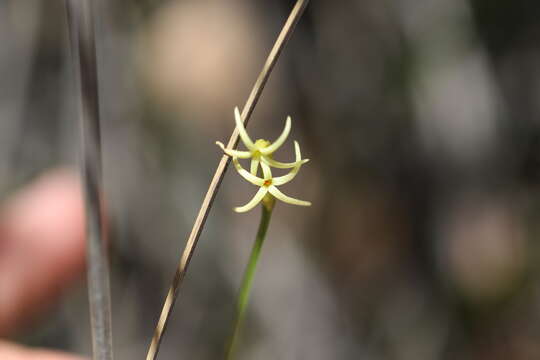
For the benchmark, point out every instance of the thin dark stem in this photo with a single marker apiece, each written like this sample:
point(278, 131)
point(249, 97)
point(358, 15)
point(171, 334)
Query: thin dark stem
point(253, 98)
point(247, 281)
point(81, 32)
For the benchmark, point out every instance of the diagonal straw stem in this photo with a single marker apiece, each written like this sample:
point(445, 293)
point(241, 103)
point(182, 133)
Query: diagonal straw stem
point(252, 100)
point(81, 33)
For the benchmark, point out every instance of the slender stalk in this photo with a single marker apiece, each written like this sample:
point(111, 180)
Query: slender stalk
point(81, 33)
point(189, 249)
point(249, 273)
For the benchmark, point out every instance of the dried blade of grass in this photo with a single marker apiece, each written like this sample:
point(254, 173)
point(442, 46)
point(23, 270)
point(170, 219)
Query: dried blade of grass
point(82, 38)
point(253, 98)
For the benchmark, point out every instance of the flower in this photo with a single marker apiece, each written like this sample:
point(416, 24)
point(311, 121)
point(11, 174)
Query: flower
point(269, 184)
point(261, 152)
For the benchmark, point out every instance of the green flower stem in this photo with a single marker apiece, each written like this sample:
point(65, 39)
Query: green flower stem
point(247, 281)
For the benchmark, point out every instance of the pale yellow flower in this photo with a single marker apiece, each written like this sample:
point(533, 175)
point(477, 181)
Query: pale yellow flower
point(269, 184)
point(261, 152)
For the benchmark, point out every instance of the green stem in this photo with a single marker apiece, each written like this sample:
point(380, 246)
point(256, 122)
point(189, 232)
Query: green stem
point(249, 273)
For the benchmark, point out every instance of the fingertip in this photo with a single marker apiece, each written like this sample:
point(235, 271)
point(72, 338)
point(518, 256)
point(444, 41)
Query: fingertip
point(42, 237)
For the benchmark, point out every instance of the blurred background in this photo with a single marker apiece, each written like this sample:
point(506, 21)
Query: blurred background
point(422, 121)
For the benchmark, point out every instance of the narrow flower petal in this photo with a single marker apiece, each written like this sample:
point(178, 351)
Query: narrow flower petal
point(234, 153)
point(242, 130)
point(289, 200)
point(280, 180)
point(253, 202)
point(297, 152)
point(281, 165)
point(266, 171)
point(254, 166)
point(280, 140)
point(246, 174)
